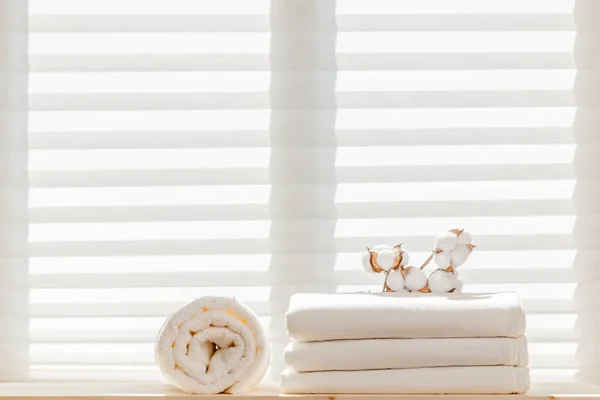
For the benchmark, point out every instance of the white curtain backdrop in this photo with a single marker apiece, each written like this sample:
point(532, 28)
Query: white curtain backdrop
point(253, 148)
point(13, 189)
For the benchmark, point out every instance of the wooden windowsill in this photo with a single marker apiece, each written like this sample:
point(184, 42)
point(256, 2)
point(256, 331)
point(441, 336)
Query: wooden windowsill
point(154, 391)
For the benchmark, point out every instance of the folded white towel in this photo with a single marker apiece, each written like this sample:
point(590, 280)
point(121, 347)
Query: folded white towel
point(349, 355)
point(213, 345)
point(463, 380)
point(314, 317)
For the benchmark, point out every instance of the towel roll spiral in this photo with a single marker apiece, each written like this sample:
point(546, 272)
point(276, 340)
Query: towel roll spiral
point(213, 345)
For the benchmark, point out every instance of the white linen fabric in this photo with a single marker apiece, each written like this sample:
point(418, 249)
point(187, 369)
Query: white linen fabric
point(453, 380)
point(213, 345)
point(315, 317)
point(367, 354)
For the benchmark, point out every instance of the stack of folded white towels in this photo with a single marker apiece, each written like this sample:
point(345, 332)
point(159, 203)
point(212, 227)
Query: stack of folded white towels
point(406, 343)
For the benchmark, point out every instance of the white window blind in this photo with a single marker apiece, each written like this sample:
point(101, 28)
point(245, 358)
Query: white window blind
point(149, 167)
point(253, 148)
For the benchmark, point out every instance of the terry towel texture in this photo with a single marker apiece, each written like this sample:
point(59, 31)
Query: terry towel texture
point(367, 354)
point(213, 345)
point(316, 317)
point(463, 380)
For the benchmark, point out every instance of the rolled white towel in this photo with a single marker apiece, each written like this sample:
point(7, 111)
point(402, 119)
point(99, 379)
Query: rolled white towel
point(213, 345)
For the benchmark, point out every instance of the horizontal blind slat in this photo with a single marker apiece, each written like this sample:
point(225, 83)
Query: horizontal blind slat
point(148, 7)
point(180, 247)
point(254, 23)
point(158, 120)
point(543, 42)
point(134, 102)
point(498, 7)
point(250, 275)
point(149, 62)
point(176, 43)
point(483, 259)
point(123, 309)
point(158, 309)
point(216, 82)
point(457, 61)
point(350, 156)
point(169, 178)
point(455, 22)
point(151, 23)
point(260, 62)
point(242, 212)
point(346, 81)
point(560, 175)
point(364, 100)
point(344, 228)
point(149, 139)
point(448, 136)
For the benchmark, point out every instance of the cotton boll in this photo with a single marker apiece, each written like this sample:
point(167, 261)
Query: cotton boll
point(443, 260)
point(405, 258)
point(459, 255)
point(458, 285)
point(446, 241)
point(465, 238)
point(441, 281)
point(395, 281)
point(415, 279)
point(386, 259)
point(366, 262)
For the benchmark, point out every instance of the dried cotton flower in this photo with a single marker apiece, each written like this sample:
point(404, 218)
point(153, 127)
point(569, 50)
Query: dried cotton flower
point(415, 279)
point(441, 281)
point(443, 259)
point(446, 241)
point(395, 281)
